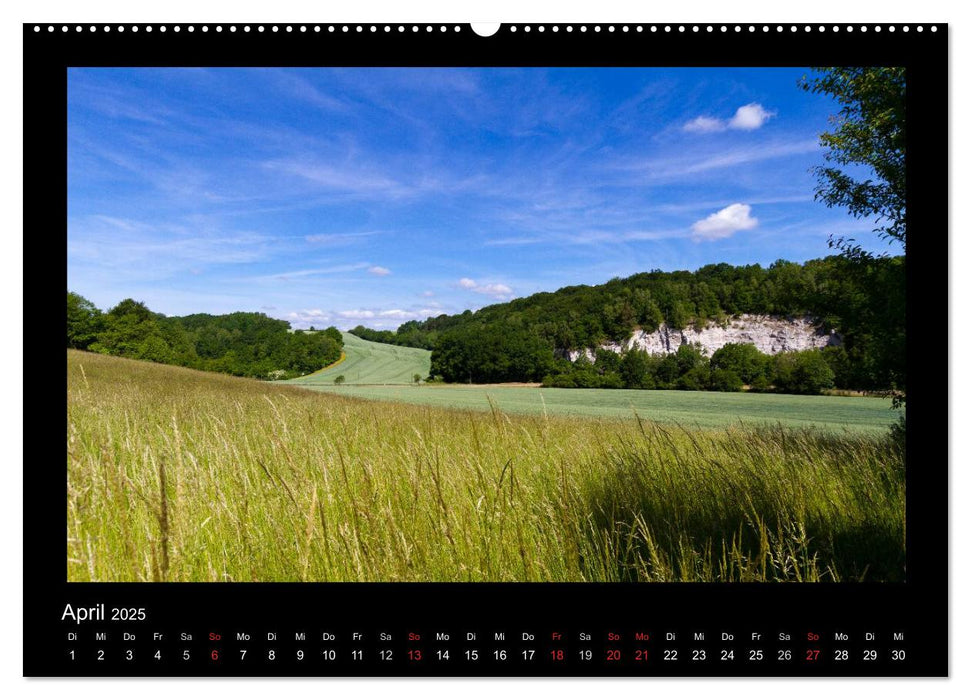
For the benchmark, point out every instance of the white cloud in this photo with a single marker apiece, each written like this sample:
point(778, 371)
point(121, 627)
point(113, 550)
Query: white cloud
point(496, 291)
point(705, 125)
point(750, 116)
point(747, 118)
point(379, 271)
point(428, 293)
point(305, 317)
point(375, 315)
point(723, 223)
point(500, 291)
point(314, 272)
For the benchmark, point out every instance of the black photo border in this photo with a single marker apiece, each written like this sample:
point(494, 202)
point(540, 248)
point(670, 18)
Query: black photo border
point(918, 607)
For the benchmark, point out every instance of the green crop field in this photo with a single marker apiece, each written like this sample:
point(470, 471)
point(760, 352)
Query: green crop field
point(179, 475)
point(703, 409)
point(386, 373)
point(373, 363)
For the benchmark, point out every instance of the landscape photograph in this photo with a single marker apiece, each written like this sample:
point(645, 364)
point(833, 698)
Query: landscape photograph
point(486, 325)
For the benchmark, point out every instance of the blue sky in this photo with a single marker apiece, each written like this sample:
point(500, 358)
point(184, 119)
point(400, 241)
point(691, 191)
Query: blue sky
point(374, 196)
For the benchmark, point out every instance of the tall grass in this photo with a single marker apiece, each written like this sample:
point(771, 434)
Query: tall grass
point(178, 475)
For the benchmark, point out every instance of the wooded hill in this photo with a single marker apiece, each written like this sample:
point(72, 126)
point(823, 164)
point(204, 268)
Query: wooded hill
point(242, 344)
point(863, 299)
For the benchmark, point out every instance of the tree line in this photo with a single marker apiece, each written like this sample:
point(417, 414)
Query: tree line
point(410, 334)
point(730, 368)
point(242, 344)
point(861, 298)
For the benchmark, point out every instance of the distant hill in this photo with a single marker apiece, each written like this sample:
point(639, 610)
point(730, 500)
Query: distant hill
point(242, 343)
point(366, 362)
point(525, 339)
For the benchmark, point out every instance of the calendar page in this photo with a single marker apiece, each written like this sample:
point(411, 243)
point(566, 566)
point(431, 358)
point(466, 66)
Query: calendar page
point(521, 350)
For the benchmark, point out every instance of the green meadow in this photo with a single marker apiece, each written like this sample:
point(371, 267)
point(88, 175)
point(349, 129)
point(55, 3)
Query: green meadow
point(180, 475)
point(704, 409)
point(372, 363)
point(383, 372)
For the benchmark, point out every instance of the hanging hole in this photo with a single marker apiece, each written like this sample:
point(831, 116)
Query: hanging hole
point(485, 29)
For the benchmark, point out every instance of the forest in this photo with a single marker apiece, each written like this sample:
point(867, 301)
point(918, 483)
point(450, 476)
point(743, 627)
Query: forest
point(242, 344)
point(863, 298)
point(732, 367)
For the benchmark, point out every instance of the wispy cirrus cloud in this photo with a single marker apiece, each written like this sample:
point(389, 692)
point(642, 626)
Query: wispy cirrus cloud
point(157, 250)
point(315, 271)
point(670, 168)
point(351, 179)
point(338, 239)
point(294, 85)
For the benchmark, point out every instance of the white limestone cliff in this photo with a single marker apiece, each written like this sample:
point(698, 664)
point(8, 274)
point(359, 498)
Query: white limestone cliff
point(770, 334)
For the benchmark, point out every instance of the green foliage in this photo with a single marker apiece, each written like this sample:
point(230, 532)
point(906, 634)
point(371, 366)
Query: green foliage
point(760, 384)
point(243, 344)
point(409, 334)
point(743, 360)
point(803, 372)
point(84, 322)
point(339, 379)
point(611, 380)
point(334, 335)
point(839, 362)
point(688, 369)
point(870, 131)
point(636, 370)
point(604, 373)
point(724, 380)
point(695, 379)
point(131, 330)
point(667, 371)
point(869, 135)
point(489, 354)
point(607, 362)
point(560, 381)
point(690, 357)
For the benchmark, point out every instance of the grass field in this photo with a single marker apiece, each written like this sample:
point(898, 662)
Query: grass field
point(177, 475)
point(372, 363)
point(384, 372)
point(704, 409)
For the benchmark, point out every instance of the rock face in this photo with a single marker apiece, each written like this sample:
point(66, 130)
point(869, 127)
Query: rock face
point(770, 334)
